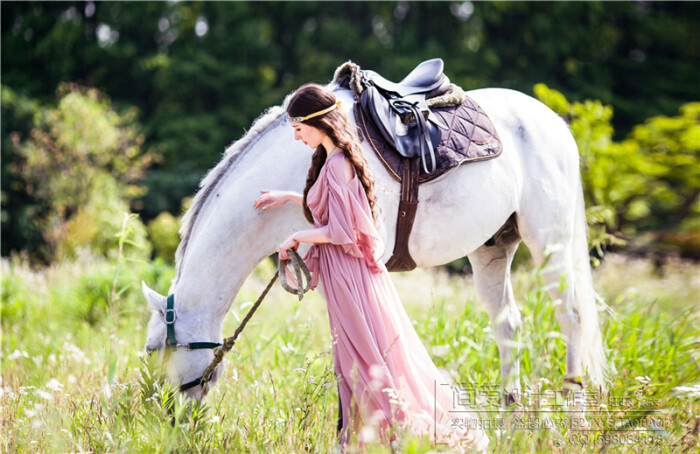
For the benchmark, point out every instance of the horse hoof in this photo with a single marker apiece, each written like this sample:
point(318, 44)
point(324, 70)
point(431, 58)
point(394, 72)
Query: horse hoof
point(572, 384)
point(512, 397)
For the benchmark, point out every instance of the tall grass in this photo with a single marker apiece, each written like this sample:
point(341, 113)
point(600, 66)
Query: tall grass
point(63, 391)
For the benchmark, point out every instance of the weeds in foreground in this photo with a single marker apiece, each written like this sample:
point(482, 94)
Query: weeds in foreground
point(61, 391)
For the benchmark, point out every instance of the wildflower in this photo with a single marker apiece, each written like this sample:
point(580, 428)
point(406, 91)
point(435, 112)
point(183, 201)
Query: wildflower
point(107, 390)
point(376, 374)
point(692, 391)
point(23, 390)
point(43, 394)
point(368, 434)
point(17, 354)
point(441, 350)
point(644, 380)
point(54, 385)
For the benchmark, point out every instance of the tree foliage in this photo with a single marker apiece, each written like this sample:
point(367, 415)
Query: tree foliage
point(649, 182)
point(199, 73)
point(77, 167)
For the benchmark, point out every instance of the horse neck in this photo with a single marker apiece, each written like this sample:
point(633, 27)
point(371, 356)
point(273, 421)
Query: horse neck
point(229, 236)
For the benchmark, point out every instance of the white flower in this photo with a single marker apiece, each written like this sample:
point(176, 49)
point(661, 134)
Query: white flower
point(16, 354)
point(692, 391)
point(376, 371)
point(367, 434)
point(43, 394)
point(107, 389)
point(287, 348)
point(54, 385)
point(441, 350)
point(23, 390)
point(644, 380)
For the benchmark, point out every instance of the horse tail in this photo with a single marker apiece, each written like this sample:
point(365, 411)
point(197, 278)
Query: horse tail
point(588, 302)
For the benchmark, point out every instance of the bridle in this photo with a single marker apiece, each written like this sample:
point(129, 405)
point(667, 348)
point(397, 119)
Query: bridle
point(220, 349)
point(172, 344)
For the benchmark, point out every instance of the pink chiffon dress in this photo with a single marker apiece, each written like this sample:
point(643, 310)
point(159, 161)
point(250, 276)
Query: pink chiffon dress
point(387, 381)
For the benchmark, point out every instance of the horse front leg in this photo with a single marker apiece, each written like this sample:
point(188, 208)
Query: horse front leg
point(491, 265)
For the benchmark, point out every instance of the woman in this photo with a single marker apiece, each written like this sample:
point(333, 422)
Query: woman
point(387, 381)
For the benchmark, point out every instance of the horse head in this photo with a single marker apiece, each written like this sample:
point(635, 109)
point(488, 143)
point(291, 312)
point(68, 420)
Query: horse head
point(182, 340)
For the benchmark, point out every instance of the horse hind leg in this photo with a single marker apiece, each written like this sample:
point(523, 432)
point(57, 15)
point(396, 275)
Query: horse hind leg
point(491, 265)
point(559, 246)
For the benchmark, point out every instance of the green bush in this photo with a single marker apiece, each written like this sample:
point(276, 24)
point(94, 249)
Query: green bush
point(163, 233)
point(95, 224)
point(649, 182)
point(78, 170)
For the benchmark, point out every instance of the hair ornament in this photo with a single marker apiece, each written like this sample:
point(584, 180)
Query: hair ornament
point(316, 114)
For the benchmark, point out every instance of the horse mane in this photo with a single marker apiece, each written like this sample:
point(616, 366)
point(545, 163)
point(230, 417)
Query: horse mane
point(230, 156)
point(216, 174)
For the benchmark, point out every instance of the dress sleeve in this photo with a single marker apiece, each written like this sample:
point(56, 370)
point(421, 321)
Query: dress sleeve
point(350, 222)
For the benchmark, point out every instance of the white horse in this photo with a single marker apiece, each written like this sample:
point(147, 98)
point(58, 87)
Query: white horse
point(536, 177)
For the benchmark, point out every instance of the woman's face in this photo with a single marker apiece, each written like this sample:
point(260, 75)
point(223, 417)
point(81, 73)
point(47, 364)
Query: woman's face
point(311, 136)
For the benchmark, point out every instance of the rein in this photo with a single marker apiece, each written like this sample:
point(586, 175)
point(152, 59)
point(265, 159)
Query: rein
point(220, 349)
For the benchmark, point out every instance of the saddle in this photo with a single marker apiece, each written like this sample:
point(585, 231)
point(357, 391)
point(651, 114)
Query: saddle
point(422, 117)
point(400, 112)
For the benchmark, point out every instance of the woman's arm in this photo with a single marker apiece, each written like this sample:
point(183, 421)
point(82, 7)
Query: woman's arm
point(316, 236)
point(277, 198)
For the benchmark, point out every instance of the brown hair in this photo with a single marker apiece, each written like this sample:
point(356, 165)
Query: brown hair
point(312, 98)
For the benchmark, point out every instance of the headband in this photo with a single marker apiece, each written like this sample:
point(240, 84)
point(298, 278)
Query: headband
point(315, 114)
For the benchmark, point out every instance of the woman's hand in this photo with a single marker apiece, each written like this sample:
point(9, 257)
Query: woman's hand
point(271, 199)
point(289, 243)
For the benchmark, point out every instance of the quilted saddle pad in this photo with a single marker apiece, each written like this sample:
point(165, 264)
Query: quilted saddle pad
point(471, 137)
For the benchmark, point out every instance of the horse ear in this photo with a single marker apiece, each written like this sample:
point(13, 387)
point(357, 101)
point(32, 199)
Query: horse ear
point(156, 300)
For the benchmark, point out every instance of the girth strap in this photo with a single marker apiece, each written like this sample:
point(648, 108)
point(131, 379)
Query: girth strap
point(401, 258)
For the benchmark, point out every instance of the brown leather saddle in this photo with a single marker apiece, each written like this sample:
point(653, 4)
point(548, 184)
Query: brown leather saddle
point(440, 129)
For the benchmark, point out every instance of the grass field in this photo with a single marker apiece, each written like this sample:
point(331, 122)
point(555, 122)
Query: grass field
point(74, 378)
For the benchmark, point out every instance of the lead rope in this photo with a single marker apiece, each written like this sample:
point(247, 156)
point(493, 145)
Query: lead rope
point(227, 345)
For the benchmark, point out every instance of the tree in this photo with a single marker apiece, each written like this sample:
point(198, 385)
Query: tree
point(649, 182)
point(77, 170)
point(201, 72)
